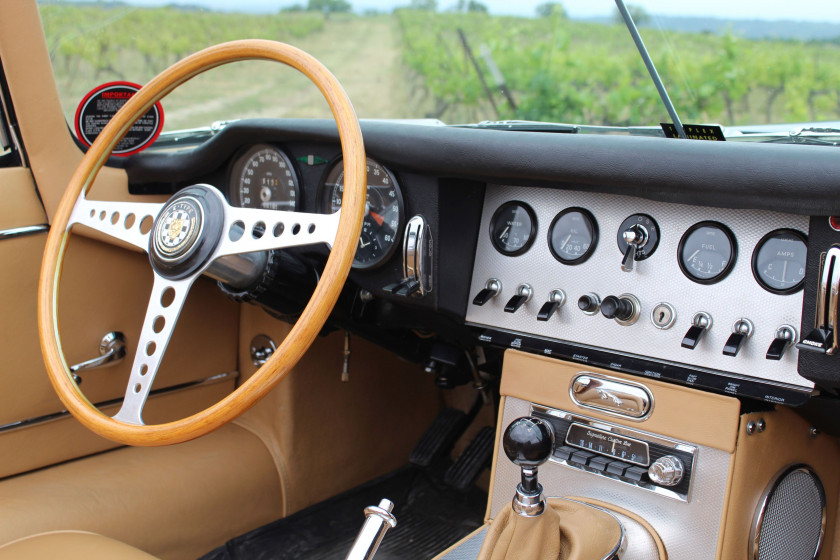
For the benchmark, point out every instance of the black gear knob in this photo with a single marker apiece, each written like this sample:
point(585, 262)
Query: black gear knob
point(528, 442)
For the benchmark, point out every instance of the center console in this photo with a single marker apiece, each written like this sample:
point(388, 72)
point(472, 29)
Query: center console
point(688, 473)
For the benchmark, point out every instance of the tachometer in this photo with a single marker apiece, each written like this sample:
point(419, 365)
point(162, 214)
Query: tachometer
point(707, 252)
point(383, 211)
point(263, 177)
point(779, 259)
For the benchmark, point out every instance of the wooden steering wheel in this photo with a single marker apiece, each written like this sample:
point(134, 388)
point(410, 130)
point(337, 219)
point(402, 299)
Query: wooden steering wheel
point(195, 227)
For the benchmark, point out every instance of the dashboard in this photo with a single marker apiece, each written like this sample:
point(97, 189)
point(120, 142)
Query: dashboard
point(688, 261)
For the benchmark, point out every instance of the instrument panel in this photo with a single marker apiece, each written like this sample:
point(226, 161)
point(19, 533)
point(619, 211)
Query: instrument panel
point(265, 176)
point(688, 293)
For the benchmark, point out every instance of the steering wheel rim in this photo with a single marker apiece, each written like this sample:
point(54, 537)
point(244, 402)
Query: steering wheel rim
point(320, 304)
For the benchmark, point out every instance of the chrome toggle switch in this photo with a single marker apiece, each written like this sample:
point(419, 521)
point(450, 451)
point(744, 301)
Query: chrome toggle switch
point(556, 299)
point(785, 338)
point(523, 294)
point(491, 289)
point(741, 331)
point(700, 325)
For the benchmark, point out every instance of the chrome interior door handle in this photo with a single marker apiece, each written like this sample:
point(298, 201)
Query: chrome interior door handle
point(111, 352)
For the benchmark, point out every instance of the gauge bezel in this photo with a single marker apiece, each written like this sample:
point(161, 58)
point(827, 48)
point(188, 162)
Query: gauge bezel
point(592, 245)
point(733, 244)
point(240, 160)
point(325, 206)
point(531, 236)
point(781, 231)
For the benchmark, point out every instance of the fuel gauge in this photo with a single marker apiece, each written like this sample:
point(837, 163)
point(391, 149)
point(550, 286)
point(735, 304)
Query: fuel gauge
point(707, 252)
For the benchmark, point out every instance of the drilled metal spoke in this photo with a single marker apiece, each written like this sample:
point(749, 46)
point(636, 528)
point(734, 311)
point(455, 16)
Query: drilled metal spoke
point(165, 305)
point(125, 221)
point(248, 230)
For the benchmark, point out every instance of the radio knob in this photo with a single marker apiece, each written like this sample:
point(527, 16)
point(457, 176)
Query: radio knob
point(666, 471)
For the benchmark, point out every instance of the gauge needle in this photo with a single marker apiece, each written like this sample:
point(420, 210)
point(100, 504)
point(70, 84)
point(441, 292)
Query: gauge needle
point(379, 219)
point(694, 254)
point(563, 245)
point(362, 244)
point(504, 233)
point(784, 272)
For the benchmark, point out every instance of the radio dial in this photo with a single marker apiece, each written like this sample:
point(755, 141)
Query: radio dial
point(666, 471)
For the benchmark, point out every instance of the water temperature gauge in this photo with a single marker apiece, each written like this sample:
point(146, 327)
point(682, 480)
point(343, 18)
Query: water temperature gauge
point(513, 228)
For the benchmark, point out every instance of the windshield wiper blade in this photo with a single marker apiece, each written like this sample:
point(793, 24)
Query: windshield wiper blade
point(524, 126)
point(190, 135)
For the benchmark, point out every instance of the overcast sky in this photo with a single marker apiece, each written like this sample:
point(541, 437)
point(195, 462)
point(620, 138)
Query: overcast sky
point(809, 10)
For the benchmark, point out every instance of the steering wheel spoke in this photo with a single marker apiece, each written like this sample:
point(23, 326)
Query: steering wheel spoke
point(165, 305)
point(130, 222)
point(248, 230)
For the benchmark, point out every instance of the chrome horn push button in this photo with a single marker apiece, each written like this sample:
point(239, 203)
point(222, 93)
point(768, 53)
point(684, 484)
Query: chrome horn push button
point(176, 230)
point(187, 231)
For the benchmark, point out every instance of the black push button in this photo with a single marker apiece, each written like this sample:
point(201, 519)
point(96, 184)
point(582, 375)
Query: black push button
point(617, 308)
point(692, 337)
point(581, 457)
point(547, 310)
point(599, 463)
point(635, 473)
point(617, 468)
point(733, 344)
point(588, 303)
point(563, 453)
point(514, 303)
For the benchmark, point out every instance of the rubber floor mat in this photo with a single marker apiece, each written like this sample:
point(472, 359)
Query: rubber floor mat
point(430, 518)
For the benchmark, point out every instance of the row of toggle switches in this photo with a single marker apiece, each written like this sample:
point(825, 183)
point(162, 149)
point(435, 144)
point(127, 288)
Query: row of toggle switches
point(625, 310)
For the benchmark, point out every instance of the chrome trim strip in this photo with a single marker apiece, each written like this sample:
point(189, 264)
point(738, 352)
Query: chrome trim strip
point(763, 502)
point(764, 381)
point(22, 231)
point(29, 422)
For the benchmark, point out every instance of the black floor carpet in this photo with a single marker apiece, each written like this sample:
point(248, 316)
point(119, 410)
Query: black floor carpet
point(430, 518)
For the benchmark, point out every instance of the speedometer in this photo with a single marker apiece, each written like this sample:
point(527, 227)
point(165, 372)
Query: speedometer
point(383, 211)
point(263, 177)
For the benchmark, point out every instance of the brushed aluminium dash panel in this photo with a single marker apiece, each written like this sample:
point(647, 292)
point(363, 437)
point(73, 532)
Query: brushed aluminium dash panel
point(656, 279)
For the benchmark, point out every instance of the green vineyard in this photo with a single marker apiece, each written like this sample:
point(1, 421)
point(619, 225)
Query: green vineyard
point(459, 67)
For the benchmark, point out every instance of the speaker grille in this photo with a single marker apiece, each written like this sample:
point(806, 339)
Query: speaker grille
point(791, 519)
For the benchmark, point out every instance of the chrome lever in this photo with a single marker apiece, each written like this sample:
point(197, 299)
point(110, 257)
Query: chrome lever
point(111, 351)
point(379, 520)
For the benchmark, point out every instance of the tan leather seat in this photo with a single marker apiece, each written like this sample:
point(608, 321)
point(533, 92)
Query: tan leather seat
point(70, 545)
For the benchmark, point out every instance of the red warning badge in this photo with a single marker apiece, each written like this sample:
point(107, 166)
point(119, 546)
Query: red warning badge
point(102, 103)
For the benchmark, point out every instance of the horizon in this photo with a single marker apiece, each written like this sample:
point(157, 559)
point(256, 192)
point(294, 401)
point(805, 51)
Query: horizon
point(808, 11)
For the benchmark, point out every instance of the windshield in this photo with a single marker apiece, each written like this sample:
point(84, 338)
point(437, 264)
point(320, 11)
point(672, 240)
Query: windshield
point(470, 61)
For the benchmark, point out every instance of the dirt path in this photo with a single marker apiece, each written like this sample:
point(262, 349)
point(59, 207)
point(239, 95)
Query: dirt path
point(364, 54)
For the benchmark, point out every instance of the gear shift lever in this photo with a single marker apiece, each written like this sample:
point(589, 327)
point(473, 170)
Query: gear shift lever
point(528, 443)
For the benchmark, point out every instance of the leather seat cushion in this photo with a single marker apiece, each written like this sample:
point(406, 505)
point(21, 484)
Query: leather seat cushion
point(70, 545)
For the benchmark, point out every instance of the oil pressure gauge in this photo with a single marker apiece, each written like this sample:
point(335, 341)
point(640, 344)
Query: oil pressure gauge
point(778, 262)
point(512, 228)
point(707, 252)
point(573, 236)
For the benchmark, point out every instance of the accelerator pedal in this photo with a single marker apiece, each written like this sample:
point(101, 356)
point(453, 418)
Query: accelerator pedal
point(439, 437)
point(462, 473)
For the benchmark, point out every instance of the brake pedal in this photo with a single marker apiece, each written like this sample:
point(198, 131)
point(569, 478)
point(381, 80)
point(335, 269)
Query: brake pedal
point(439, 437)
point(466, 468)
